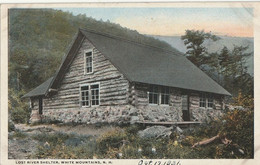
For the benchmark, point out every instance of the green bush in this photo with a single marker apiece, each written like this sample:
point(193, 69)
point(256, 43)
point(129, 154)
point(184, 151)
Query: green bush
point(112, 139)
point(52, 138)
point(239, 127)
point(18, 110)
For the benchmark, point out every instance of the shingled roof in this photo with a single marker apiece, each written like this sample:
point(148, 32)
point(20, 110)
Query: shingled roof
point(40, 90)
point(145, 64)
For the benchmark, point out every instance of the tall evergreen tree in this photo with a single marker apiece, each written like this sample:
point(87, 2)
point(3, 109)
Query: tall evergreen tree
point(196, 52)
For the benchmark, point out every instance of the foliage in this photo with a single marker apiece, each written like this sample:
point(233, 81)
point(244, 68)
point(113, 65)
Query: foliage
point(196, 52)
point(232, 65)
point(246, 101)
point(112, 139)
point(52, 138)
point(239, 127)
point(19, 111)
point(227, 67)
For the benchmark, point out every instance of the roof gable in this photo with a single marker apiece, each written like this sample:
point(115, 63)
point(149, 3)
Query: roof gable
point(139, 63)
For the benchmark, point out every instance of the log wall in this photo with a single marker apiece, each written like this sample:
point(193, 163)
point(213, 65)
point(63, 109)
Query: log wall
point(113, 85)
point(173, 112)
point(157, 113)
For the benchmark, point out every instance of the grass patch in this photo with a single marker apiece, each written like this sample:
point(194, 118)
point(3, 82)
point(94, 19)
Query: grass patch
point(18, 135)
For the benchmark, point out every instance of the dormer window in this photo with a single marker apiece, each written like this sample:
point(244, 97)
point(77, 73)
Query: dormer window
point(88, 56)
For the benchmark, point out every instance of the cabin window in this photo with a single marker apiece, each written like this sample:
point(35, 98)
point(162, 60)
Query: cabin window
point(88, 61)
point(158, 95)
point(95, 94)
point(89, 95)
point(210, 101)
point(206, 101)
point(85, 96)
point(153, 95)
point(165, 95)
point(202, 100)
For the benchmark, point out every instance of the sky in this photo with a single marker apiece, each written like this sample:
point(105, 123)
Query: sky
point(174, 21)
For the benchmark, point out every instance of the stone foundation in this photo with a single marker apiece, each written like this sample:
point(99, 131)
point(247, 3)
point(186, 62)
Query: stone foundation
point(127, 113)
point(112, 114)
point(35, 117)
point(205, 115)
point(124, 114)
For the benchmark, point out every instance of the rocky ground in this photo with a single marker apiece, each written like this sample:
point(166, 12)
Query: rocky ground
point(21, 144)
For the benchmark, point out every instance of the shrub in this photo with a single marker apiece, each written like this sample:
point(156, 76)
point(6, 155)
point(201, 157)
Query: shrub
point(112, 139)
point(52, 138)
point(18, 110)
point(239, 127)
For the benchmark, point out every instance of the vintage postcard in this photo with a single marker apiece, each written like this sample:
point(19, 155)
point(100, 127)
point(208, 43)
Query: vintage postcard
point(129, 83)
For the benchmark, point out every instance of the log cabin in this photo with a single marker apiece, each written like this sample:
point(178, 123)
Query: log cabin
point(109, 79)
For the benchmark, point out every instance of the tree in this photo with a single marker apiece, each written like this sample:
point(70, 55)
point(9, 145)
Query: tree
point(232, 66)
point(196, 52)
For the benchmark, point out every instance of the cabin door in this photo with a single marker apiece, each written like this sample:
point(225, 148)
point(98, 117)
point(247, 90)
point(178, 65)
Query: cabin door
point(185, 108)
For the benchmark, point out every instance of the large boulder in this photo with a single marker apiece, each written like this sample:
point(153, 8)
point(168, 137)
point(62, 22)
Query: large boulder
point(155, 132)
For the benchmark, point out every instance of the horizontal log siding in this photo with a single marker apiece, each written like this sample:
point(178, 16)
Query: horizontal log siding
point(141, 94)
point(113, 85)
point(195, 102)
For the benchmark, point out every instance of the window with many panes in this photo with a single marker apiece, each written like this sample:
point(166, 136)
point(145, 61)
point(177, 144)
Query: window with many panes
point(95, 94)
point(84, 90)
point(88, 61)
point(206, 101)
point(210, 101)
point(153, 94)
point(89, 95)
point(202, 100)
point(165, 95)
point(158, 95)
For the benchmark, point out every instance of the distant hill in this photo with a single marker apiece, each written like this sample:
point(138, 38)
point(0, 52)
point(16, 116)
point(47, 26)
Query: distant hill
point(229, 42)
point(39, 38)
